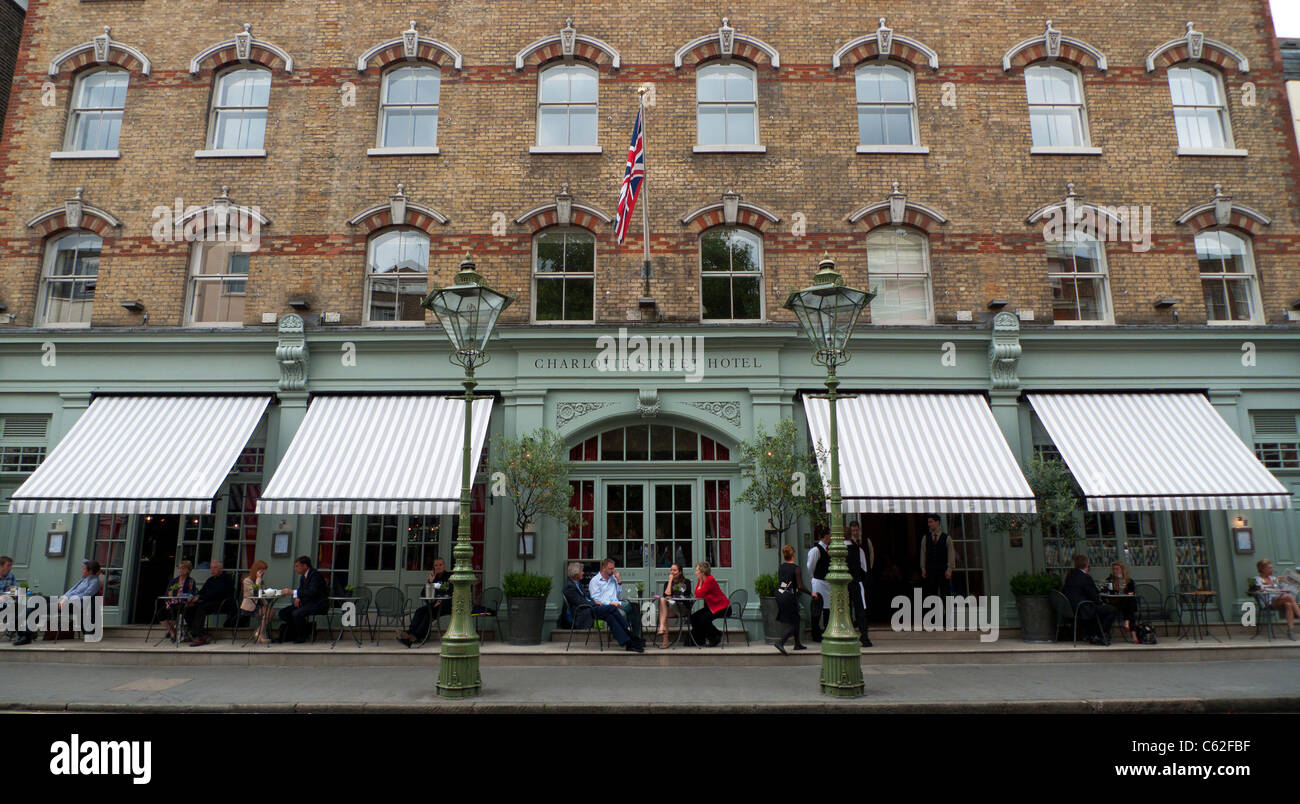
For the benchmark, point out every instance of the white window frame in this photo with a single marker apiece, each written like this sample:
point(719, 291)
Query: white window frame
point(915, 145)
point(372, 275)
point(567, 148)
point(739, 147)
point(47, 265)
point(874, 275)
point(1107, 307)
point(1225, 118)
point(194, 278)
point(1085, 145)
point(561, 276)
point(76, 114)
point(216, 109)
point(760, 273)
point(382, 126)
point(1250, 276)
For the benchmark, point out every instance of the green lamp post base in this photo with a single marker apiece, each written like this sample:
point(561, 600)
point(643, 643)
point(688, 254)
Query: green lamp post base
point(458, 675)
point(841, 675)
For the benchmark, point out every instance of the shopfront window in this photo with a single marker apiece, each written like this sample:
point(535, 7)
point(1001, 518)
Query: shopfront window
point(646, 442)
point(717, 522)
point(582, 535)
point(109, 549)
point(334, 551)
point(1191, 551)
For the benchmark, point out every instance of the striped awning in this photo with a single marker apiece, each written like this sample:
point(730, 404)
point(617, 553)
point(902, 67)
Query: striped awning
point(1155, 452)
point(376, 455)
point(919, 453)
point(143, 455)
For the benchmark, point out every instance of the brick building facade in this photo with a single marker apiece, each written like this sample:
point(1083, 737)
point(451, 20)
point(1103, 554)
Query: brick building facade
point(963, 128)
point(12, 13)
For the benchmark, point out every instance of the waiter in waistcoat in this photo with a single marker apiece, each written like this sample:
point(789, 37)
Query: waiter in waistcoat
point(819, 564)
point(859, 560)
point(938, 557)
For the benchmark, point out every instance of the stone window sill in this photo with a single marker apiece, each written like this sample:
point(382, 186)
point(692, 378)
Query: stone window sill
point(1213, 152)
point(403, 151)
point(1071, 150)
point(230, 153)
point(893, 149)
point(84, 154)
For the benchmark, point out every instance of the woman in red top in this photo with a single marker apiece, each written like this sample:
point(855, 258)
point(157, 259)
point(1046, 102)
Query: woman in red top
point(715, 605)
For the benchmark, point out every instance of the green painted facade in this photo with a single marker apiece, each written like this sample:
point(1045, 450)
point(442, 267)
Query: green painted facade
point(548, 376)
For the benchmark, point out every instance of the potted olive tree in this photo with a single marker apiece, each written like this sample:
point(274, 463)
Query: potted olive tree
point(1056, 498)
point(785, 484)
point(531, 472)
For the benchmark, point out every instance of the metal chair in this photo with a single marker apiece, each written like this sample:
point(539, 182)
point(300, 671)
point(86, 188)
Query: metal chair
point(1064, 613)
point(391, 607)
point(490, 606)
point(1153, 609)
point(573, 626)
point(1266, 615)
point(364, 599)
point(738, 600)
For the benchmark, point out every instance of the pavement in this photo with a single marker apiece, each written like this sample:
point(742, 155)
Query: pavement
point(1246, 685)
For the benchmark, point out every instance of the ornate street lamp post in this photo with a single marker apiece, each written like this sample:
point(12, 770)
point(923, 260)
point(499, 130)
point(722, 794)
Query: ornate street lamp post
point(827, 312)
point(468, 310)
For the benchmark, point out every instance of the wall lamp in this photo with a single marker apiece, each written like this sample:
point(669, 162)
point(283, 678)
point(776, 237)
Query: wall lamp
point(300, 304)
point(1165, 303)
point(998, 304)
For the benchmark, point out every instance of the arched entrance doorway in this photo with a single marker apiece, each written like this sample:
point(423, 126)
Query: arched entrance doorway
point(651, 495)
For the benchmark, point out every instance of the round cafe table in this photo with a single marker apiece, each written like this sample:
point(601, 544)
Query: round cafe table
point(336, 603)
point(165, 601)
point(269, 602)
point(683, 606)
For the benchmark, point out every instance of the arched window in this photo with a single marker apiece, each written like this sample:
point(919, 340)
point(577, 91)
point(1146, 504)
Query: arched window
point(564, 275)
point(68, 278)
point(567, 106)
point(239, 102)
point(731, 274)
point(898, 269)
point(408, 115)
point(886, 105)
point(1056, 115)
point(726, 104)
point(95, 121)
point(1200, 108)
point(1076, 268)
point(397, 277)
point(218, 283)
point(1228, 277)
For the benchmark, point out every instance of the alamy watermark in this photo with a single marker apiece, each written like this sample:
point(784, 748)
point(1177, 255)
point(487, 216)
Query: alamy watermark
point(214, 223)
point(1122, 224)
point(948, 613)
point(27, 613)
point(671, 354)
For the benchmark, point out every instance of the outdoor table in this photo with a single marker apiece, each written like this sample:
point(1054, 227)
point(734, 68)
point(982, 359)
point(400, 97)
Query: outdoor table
point(1198, 602)
point(167, 600)
point(269, 602)
point(683, 605)
point(430, 603)
point(338, 603)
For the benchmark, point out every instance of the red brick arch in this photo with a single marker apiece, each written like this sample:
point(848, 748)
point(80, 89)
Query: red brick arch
point(260, 51)
point(750, 215)
point(584, 217)
point(93, 219)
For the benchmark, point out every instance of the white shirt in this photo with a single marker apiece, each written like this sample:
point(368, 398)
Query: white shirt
point(820, 587)
point(604, 591)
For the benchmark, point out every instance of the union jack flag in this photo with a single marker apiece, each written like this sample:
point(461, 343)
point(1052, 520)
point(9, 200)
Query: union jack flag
point(632, 179)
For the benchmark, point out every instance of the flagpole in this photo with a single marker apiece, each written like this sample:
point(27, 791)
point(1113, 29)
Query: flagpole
point(645, 201)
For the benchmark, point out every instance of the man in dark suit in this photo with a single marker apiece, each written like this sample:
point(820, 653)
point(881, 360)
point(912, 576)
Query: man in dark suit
point(584, 610)
point(1080, 587)
point(218, 589)
point(312, 598)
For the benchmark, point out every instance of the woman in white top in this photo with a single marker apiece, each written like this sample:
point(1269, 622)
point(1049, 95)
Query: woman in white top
point(1274, 597)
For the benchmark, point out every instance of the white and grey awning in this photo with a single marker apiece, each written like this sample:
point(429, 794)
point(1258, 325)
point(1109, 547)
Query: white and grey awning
point(376, 455)
point(143, 455)
point(1155, 452)
point(918, 453)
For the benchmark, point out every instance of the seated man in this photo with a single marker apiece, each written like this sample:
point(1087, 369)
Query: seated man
point(1079, 586)
point(438, 585)
point(583, 609)
point(312, 598)
point(606, 589)
point(7, 581)
point(218, 590)
point(88, 586)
